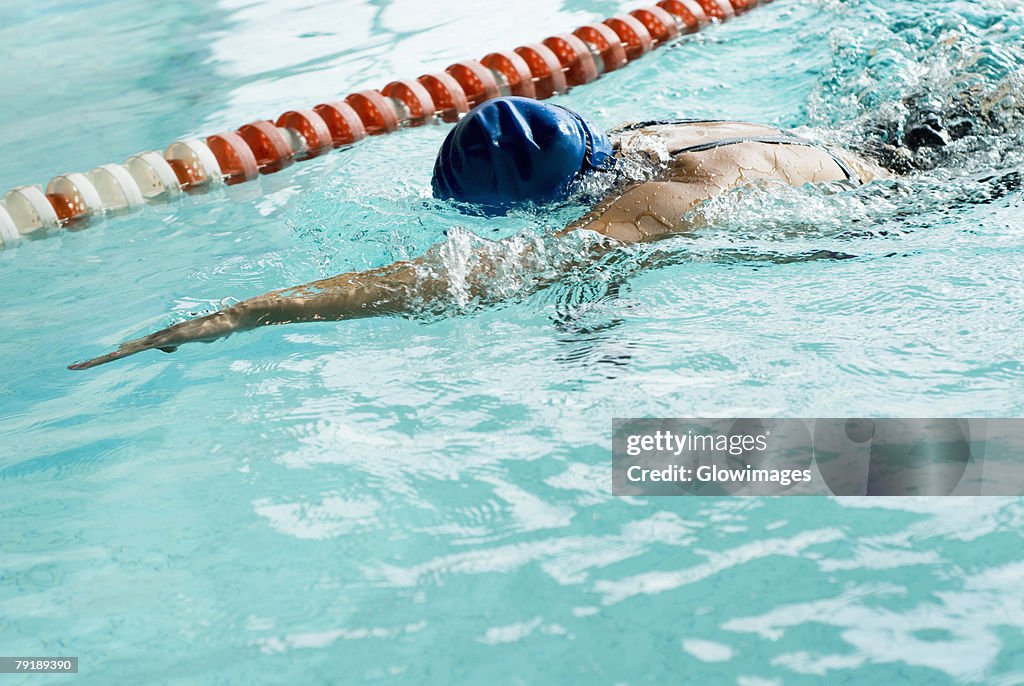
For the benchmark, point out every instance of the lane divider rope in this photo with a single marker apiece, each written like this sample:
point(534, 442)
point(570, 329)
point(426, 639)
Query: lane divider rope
point(537, 70)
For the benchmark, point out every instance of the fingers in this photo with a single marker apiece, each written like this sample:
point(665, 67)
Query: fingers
point(161, 340)
point(124, 351)
point(208, 328)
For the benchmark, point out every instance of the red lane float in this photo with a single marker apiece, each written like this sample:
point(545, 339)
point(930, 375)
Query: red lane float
point(234, 156)
point(272, 151)
point(633, 34)
point(342, 121)
point(688, 12)
point(193, 163)
point(516, 71)
point(450, 100)
point(605, 46)
point(717, 9)
point(548, 77)
point(477, 81)
point(661, 25)
point(742, 6)
point(313, 129)
point(73, 196)
point(575, 58)
point(375, 111)
point(414, 96)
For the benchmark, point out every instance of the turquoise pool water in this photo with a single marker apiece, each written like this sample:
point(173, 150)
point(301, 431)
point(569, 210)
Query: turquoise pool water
point(428, 501)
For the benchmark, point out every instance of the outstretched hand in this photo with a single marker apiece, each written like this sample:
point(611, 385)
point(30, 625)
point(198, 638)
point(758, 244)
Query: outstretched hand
point(208, 328)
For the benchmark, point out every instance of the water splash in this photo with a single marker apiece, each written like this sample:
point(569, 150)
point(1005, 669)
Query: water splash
point(926, 87)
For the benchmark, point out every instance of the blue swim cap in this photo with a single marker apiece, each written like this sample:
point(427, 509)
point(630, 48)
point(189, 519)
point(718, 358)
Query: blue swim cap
point(512, 150)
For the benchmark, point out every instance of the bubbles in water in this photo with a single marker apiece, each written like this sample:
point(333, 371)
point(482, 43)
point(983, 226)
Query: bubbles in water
point(475, 271)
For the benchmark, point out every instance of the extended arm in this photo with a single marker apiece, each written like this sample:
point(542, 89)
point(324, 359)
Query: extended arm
point(345, 296)
point(437, 278)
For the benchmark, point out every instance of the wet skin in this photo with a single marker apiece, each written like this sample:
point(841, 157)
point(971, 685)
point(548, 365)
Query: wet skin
point(643, 212)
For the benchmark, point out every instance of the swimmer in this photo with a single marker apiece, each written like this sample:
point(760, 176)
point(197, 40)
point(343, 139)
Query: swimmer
point(510, 152)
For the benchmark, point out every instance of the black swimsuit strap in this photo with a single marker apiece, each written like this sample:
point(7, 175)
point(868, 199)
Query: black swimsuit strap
point(633, 126)
point(783, 139)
